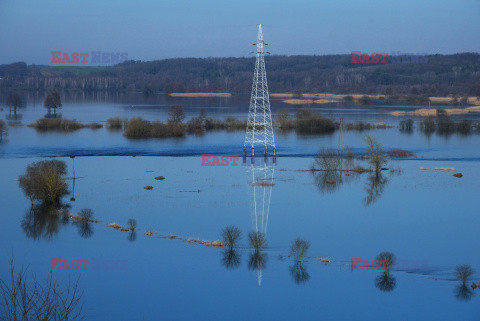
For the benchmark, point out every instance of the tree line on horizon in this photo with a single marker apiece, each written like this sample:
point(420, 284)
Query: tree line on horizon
point(457, 74)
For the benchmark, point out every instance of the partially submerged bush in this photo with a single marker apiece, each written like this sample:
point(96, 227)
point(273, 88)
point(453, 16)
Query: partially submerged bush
point(132, 224)
point(86, 215)
point(365, 100)
point(3, 130)
point(428, 125)
point(377, 158)
point(116, 123)
point(283, 119)
point(45, 181)
point(310, 122)
point(406, 125)
point(387, 257)
point(61, 125)
point(329, 159)
point(299, 249)
point(464, 272)
point(231, 235)
point(400, 153)
point(137, 128)
point(257, 240)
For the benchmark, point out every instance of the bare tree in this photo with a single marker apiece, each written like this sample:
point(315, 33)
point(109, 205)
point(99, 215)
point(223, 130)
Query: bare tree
point(30, 299)
point(377, 158)
point(176, 114)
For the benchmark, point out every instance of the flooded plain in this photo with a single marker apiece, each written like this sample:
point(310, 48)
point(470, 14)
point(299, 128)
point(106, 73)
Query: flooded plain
point(427, 218)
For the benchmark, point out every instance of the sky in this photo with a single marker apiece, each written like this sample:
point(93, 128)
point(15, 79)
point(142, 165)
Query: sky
point(156, 29)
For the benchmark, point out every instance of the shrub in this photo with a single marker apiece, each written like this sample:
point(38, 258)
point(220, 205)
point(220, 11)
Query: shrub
point(61, 125)
point(257, 240)
point(348, 98)
point(310, 122)
point(464, 127)
point(45, 181)
point(176, 114)
point(132, 224)
point(400, 153)
point(27, 298)
point(3, 129)
point(231, 235)
point(464, 272)
point(329, 160)
point(365, 100)
point(116, 123)
point(196, 126)
point(299, 249)
point(387, 256)
point(86, 215)
point(428, 125)
point(283, 119)
point(377, 158)
point(406, 125)
point(137, 128)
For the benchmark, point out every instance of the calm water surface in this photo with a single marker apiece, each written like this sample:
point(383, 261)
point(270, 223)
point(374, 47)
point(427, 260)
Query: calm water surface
point(429, 219)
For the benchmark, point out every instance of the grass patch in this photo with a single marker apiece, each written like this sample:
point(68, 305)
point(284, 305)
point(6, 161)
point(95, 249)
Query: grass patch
point(61, 125)
point(137, 128)
point(400, 153)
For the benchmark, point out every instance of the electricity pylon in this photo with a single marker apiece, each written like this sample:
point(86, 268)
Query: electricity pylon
point(259, 124)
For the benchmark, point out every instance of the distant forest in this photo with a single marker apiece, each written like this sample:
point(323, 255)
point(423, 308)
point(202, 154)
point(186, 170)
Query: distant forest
point(440, 76)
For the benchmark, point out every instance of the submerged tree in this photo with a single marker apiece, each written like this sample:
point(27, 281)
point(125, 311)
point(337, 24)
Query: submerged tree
point(464, 272)
point(385, 281)
point(299, 249)
point(230, 236)
point(257, 240)
point(14, 101)
point(176, 114)
point(45, 181)
point(29, 299)
point(376, 158)
point(388, 258)
point(52, 101)
point(3, 130)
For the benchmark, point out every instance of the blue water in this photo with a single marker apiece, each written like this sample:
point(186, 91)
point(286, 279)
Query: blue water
point(427, 218)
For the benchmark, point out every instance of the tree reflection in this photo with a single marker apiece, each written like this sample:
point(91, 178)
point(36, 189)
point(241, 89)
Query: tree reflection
point(257, 261)
point(230, 259)
point(463, 292)
point(43, 221)
point(385, 282)
point(328, 181)
point(132, 236)
point(374, 188)
point(299, 273)
point(85, 228)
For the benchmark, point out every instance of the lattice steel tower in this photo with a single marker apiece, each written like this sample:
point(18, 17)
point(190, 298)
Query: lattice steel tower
point(259, 124)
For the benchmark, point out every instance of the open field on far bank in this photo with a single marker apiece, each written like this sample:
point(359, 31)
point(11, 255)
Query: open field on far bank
point(425, 112)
